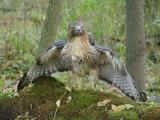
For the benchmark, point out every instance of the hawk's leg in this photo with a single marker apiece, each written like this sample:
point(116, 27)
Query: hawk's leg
point(93, 77)
point(75, 81)
point(78, 80)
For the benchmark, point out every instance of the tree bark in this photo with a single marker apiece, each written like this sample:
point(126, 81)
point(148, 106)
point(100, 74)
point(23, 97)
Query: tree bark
point(51, 24)
point(135, 42)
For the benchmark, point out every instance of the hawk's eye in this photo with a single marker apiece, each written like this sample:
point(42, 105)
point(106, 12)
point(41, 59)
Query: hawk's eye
point(72, 27)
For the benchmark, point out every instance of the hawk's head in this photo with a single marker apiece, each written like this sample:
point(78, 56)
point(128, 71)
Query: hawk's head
point(76, 28)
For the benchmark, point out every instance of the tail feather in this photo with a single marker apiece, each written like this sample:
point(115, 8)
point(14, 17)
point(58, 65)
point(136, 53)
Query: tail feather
point(23, 81)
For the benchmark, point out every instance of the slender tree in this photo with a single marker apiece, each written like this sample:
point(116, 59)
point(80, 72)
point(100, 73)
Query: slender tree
point(51, 24)
point(135, 43)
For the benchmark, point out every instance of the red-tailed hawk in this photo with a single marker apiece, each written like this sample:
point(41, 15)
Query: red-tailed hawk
point(82, 56)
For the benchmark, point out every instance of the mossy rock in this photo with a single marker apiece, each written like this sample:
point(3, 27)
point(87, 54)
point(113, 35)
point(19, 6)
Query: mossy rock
point(39, 102)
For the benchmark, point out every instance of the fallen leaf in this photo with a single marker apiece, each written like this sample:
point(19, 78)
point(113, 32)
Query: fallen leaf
point(128, 106)
point(68, 89)
point(103, 103)
point(121, 107)
point(117, 108)
point(58, 102)
point(16, 94)
point(69, 99)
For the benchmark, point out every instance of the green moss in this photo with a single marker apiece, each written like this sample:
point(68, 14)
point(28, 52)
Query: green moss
point(3, 97)
point(83, 106)
point(124, 115)
point(1, 83)
point(40, 102)
point(82, 99)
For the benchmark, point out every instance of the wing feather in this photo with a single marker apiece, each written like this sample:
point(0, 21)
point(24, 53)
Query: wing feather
point(49, 62)
point(115, 73)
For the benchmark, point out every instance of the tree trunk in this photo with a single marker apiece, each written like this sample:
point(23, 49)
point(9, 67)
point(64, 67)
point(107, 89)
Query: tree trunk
point(51, 24)
point(135, 43)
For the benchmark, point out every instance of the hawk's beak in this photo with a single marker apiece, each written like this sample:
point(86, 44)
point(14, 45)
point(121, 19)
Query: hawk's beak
point(77, 29)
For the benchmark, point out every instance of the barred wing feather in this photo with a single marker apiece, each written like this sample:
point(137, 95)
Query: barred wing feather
point(115, 73)
point(44, 67)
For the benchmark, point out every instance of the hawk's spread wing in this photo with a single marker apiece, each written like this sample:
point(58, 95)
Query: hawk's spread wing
point(49, 62)
point(115, 73)
point(46, 64)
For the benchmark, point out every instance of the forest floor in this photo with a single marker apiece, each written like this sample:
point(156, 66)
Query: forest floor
point(50, 99)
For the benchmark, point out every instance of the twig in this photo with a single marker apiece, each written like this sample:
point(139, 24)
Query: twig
point(55, 113)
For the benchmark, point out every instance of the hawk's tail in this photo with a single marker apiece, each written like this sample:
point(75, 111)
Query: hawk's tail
point(23, 81)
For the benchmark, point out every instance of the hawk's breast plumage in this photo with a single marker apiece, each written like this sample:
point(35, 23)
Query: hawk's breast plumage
point(79, 55)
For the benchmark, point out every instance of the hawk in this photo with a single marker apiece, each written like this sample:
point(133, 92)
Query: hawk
point(81, 55)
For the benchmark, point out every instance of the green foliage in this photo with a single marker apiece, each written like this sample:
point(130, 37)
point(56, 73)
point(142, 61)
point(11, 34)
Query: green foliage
point(120, 48)
point(1, 84)
point(152, 16)
point(100, 19)
point(21, 44)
